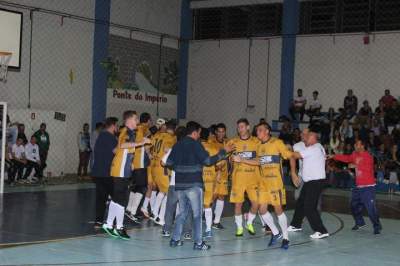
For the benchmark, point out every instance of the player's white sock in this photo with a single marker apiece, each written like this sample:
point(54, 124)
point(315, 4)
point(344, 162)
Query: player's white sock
point(146, 202)
point(157, 205)
point(130, 201)
point(219, 207)
point(282, 219)
point(153, 200)
point(112, 213)
point(208, 216)
point(120, 211)
point(239, 221)
point(137, 199)
point(162, 209)
point(250, 218)
point(269, 220)
point(261, 219)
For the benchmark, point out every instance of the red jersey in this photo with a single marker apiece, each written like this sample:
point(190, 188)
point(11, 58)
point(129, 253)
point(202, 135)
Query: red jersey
point(364, 163)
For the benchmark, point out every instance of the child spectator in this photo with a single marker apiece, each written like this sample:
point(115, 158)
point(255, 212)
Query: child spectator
point(18, 160)
point(84, 150)
point(33, 159)
point(43, 141)
point(298, 106)
point(350, 103)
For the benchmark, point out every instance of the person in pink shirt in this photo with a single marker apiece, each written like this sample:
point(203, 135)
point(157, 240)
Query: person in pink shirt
point(388, 100)
point(363, 195)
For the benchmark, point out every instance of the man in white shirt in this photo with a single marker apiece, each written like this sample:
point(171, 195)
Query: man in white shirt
point(298, 147)
point(18, 160)
point(313, 175)
point(315, 105)
point(298, 106)
point(33, 158)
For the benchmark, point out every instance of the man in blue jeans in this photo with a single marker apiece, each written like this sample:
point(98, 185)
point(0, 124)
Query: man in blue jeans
point(187, 159)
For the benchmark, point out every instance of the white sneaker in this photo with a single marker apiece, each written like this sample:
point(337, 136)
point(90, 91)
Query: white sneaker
point(318, 235)
point(294, 229)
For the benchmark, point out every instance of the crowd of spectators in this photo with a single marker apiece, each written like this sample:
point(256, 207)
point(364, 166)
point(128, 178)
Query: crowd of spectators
point(380, 128)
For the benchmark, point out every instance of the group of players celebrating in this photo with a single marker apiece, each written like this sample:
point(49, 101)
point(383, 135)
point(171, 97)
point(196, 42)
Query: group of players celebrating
point(254, 164)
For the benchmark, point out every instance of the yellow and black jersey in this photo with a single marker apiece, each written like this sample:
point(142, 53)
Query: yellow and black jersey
point(210, 172)
point(270, 154)
point(246, 149)
point(222, 165)
point(122, 164)
point(161, 142)
point(142, 131)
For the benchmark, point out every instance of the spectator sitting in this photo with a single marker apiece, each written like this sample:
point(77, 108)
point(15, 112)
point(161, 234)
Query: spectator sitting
point(335, 141)
point(21, 133)
point(298, 106)
point(332, 116)
point(346, 131)
point(365, 113)
point(43, 141)
point(392, 115)
point(18, 161)
point(33, 159)
point(350, 104)
point(84, 150)
point(388, 100)
point(315, 106)
point(286, 132)
point(380, 112)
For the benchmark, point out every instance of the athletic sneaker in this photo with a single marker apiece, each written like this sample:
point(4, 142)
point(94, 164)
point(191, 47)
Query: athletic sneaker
point(187, 236)
point(165, 233)
point(377, 230)
point(208, 234)
point(202, 246)
point(108, 231)
point(121, 233)
point(158, 221)
point(274, 239)
point(285, 244)
point(239, 232)
point(356, 227)
point(294, 229)
point(175, 243)
point(267, 230)
point(132, 217)
point(250, 229)
point(318, 235)
point(217, 226)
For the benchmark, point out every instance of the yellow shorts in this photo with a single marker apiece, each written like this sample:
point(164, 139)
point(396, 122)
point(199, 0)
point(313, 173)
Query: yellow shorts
point(221, 188)
point(160, 179)
point(242, 184)
point(274, 197)
point(150, 179)
point(209, 192)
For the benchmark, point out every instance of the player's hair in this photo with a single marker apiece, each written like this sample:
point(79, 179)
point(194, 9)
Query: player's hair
point(220, 125)
point(212, 129)
point(99, 125)
point(315, 92)
point(128, 114)
point(43, 125)
point(243, 120)
point(180, 132)
point(191, 127)
point(170, 125)
point(265, 124)
point(205, 133)
point(110, 121)
point(364, 143)
point(144, 117)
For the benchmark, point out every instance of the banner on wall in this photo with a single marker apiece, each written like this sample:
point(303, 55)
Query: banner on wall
point(133, 73)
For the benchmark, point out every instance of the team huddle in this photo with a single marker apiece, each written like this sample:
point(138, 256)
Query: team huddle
point(181, 173)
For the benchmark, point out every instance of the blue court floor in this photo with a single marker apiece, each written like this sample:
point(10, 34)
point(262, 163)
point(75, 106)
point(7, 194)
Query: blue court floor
point(146, 247)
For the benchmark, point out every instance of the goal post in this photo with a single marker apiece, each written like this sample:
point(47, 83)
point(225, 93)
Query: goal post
point(3, 108)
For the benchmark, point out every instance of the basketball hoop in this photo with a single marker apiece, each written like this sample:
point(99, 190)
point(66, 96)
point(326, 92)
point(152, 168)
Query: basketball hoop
point(5, 58)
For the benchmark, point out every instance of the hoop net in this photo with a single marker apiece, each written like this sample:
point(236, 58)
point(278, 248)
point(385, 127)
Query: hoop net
point(5, 58)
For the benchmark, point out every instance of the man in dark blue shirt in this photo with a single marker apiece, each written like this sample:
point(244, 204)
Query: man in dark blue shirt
point(103, 156)
point(187, 159)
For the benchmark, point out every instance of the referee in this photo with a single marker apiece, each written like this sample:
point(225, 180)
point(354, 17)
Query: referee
point(314, 176)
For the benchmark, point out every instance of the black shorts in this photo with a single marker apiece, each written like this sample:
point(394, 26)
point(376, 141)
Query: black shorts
point(120, 191)
point(140, 177)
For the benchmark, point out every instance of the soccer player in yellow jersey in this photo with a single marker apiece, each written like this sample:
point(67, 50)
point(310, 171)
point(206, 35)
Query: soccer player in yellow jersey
point(245, 178)
point(221, 188)
point(161, 142)
point(141, 162)
point(121, 171)
point(210, 175)
point(270, 153)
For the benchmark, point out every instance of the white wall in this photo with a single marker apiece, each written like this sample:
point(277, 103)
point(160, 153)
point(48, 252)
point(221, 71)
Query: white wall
point(334, 64)
point(218, 81)
point(56, 50)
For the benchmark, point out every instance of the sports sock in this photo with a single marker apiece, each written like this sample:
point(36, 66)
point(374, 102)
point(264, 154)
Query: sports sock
point(146, 202)
point(250, 218)
point(219, 207)
point(208, 216)
point(157, 205)
point(269, 220)
point(163, 209)
point(130, 201)
point(282, 219)
point(120, 210)
point(112, 213)
point(261, 219)
point(239, 221)
point(137, 199)
point(153, 200)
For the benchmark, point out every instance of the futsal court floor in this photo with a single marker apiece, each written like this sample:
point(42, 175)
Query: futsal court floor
point(52, 226)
